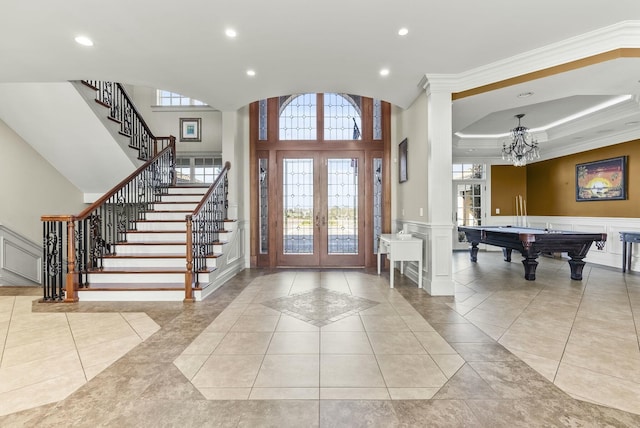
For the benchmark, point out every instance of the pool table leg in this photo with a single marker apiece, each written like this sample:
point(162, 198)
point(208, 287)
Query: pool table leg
point(576, 265)
point(506, 253)
point(473, 252)
point(530, 265)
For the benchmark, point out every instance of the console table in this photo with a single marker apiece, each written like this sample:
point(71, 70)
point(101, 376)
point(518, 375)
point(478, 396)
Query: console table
point(628, 239)
point(401, 248)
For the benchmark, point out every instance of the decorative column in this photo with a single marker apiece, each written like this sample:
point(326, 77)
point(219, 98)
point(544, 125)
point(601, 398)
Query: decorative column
point(439, 245)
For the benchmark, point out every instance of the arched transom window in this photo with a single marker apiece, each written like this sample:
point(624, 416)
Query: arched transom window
point(341, 114)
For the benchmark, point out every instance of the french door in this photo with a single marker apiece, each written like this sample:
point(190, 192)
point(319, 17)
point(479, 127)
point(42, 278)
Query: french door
point(468, 208)
point(320, 208)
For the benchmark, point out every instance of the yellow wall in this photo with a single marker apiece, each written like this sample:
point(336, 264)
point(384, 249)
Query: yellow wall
point(507, 182)
point(551, 185)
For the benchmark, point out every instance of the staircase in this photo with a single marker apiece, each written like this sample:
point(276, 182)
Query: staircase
point(151, 263)
point(146, 239)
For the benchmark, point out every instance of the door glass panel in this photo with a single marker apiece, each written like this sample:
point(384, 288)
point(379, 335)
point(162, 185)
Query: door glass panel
point(263, 206)
point(342, 206)
point(297, 194)
point(468, 206)
point(377, 202)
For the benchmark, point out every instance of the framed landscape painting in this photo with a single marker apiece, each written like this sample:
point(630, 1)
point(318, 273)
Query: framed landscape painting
point(603, 180)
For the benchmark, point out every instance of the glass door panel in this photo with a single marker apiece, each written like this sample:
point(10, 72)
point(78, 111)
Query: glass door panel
point(341, 203)
point(298, 243)
point(342, 215)
point(320, 211)
point(467, 199)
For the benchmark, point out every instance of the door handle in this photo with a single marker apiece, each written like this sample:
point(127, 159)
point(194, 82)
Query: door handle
point(317, 221)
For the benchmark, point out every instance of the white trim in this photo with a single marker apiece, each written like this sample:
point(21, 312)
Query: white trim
point(624, 34)
point(20, 259)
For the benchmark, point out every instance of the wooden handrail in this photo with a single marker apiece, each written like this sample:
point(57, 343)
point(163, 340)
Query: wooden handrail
point(133, 107)
point(83, 215)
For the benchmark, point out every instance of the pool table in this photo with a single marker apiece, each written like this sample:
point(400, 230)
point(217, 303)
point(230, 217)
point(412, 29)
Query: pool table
point(531, 242)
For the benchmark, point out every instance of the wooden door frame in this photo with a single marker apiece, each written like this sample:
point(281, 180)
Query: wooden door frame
point(267, 149)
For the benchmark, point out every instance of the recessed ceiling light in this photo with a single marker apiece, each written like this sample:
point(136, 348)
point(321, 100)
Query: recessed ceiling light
point(230, 32)
point(251, 73)
point(403, 31)
point(84, 41)
point(525, 94)
point(384, 72)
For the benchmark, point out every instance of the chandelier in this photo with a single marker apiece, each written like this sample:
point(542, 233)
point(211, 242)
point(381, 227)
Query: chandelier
point(522, 148)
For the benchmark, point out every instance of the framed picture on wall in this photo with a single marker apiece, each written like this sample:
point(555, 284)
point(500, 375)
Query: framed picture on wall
point(603, 180)
point(402, 161)
point(190, 130)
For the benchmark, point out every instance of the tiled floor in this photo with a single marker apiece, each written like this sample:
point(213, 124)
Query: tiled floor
point(347, 336)
point(342, 350)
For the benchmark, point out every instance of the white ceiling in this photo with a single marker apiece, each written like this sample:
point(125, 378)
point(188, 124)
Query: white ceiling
point(328, 46)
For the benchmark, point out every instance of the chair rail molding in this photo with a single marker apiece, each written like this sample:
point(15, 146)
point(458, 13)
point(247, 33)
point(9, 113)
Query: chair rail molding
point(20, 259)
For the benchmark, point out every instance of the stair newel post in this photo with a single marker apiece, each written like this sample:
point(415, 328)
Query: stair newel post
point(71, 294)
point(188, 276)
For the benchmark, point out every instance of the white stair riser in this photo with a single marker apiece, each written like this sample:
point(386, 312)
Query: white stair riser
point(182, 198)
point(179, 263)
point(146, 278)
point(194, 190)
point(151, 249)
point(161, 225)
point(178, 250)
point(165, 216)
point(157, 237)
point(115, 278)
point(159, 206)
point(89, 295)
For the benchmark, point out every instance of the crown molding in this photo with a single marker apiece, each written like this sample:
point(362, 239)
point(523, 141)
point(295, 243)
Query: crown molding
point(623, 35)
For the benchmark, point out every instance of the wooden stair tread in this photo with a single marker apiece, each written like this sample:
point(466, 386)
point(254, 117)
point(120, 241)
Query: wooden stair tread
point(128, 270)
point(154, 256)
point(134, 286)
point(152, 243)
point(135, 270)
point(155, 231)
point(160, 221)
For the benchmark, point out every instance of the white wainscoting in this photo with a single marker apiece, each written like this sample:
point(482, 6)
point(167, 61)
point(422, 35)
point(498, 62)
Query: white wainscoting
point(610, 255)
point(20, 259)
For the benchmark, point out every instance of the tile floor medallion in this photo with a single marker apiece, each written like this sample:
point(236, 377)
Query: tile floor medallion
point(317, 336)
point(320, 306)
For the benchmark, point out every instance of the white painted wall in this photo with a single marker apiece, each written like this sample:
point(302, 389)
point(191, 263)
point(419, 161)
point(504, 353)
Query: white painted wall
point(31, 187)
point(165, 121)
point(57, 122)
point(411, 195)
